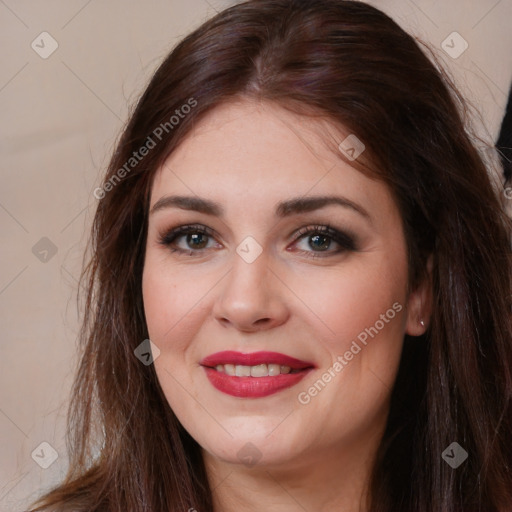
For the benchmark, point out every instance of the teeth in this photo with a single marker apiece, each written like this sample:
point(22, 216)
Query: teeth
point(260, 370)
point(242, 371)
point(274, 369)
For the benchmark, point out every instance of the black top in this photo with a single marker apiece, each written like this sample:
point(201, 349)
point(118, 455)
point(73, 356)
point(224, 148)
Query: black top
point(504, 143)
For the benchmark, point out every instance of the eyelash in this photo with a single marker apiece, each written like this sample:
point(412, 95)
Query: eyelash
point(345, 241)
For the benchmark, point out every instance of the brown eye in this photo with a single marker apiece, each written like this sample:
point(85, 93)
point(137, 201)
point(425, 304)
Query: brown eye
point(196, 240)
point(187, 239)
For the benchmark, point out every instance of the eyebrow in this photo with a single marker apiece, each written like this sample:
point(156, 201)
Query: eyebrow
point(284, 208)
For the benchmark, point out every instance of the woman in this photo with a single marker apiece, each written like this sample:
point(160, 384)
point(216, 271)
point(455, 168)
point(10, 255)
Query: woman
point(297, 219)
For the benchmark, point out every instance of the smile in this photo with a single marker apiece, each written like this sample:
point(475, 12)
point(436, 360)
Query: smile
point(254, 375)
point(260, 370)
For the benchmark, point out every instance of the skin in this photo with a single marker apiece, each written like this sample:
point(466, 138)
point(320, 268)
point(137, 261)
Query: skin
point(248, 156)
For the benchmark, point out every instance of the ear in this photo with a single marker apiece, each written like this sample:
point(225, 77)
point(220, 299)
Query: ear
point(419, 305)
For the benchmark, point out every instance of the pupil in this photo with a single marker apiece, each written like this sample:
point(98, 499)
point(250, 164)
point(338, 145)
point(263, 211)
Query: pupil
point(195, 238)
point(322, 246)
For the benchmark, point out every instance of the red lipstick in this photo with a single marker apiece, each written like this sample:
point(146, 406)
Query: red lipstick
point(250, 386)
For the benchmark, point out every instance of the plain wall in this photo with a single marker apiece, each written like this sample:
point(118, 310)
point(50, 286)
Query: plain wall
point(60, 118)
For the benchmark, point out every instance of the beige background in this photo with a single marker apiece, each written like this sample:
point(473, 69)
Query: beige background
point(60, 118)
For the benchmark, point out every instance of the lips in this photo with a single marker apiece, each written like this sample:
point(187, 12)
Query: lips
point(254, 375)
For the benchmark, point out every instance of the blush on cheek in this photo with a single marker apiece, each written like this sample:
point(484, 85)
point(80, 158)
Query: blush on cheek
point(166, 311)
point(355, 310)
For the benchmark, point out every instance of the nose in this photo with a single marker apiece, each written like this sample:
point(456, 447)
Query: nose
point(251, 298)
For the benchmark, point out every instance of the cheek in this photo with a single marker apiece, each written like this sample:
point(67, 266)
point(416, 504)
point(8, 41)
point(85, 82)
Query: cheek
point(361, 312)
point(345, 301)
point(174, 313)
point(160, 302)
point(172, 300)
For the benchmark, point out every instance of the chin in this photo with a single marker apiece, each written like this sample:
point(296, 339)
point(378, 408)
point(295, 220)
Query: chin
point(253, 444)
point(252, 453)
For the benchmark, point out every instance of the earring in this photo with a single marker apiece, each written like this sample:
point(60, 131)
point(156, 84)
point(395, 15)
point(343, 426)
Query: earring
point(422, 323)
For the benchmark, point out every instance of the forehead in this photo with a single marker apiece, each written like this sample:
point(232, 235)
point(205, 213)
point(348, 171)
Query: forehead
point(251, 150)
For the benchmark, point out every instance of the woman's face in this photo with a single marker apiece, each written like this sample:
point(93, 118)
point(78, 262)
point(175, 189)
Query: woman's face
point(303, 300)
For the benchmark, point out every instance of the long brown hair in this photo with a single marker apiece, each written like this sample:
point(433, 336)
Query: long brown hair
point(351, 64)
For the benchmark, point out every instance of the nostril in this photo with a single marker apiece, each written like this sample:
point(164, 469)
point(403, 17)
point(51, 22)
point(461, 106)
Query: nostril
point(262, 320)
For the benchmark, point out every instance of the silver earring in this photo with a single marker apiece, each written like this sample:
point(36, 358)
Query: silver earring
point(422, 323)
